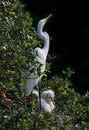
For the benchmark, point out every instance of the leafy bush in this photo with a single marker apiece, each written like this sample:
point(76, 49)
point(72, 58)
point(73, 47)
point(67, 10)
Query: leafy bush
point(17, 40)
point(73, 108)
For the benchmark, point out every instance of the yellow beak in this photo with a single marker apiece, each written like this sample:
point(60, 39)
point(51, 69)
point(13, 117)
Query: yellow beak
point(52, 99)
point(46, 19)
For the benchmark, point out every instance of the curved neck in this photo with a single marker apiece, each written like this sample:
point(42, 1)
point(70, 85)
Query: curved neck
point(45, 37)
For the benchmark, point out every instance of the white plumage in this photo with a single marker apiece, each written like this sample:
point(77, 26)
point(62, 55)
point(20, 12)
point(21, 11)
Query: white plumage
point(40, 60)
point(48, 96)
point(47, 100)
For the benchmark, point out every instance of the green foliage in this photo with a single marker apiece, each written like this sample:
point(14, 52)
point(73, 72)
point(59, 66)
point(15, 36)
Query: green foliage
point(17, 40)
point(73, 108)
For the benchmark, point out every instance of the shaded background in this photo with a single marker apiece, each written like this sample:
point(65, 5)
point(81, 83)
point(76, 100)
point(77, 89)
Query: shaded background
point(69, 32)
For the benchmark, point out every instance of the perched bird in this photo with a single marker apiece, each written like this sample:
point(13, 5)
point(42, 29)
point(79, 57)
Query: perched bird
point(40, 60)
point(47, 100)
point(48, 96)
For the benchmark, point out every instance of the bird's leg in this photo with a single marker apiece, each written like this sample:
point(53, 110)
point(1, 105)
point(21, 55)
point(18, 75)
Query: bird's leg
point(25, 105)
point(39, 98)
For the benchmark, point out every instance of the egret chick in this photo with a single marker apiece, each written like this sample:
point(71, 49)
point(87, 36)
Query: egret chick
point(48, 96)
point(47, 100)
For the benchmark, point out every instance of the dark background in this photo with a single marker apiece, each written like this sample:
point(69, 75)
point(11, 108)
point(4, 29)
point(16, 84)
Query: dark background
point(69, 32)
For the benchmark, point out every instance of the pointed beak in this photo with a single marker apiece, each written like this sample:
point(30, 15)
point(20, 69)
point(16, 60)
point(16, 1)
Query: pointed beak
point(46, 19)
point(52, 99)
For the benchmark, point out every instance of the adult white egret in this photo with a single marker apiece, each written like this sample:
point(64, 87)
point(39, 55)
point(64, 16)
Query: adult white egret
point(40, 60)
point(47, 100)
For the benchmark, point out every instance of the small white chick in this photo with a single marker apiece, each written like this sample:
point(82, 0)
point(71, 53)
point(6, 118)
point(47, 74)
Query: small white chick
point(48, 96)
point(47, 100)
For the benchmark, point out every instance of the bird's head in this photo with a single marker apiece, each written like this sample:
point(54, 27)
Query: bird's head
point(48, 96)
point(42, 22)
point(47, 18)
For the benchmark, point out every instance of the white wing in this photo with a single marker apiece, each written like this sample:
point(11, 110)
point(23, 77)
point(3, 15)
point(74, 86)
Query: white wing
point(33, 78)
point(45, 106)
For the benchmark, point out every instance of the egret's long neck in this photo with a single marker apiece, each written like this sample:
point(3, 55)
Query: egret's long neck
point(45, 37)
point(46, 44)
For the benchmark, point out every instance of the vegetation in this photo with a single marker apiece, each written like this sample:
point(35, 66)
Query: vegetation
point(17, 40)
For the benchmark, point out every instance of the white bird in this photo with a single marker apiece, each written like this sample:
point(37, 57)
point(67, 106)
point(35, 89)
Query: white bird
point(47, 100)
point(40, 60)
point(48, 96)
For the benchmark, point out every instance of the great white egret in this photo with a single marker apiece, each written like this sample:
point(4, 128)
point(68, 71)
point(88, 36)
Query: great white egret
point(47, 100)
point(40, 60)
